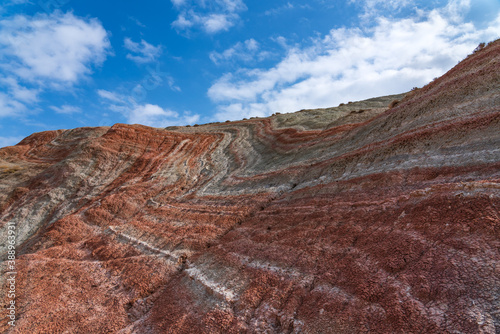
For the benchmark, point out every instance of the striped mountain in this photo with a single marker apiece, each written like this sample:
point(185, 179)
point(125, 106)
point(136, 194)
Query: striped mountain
point(354, 219)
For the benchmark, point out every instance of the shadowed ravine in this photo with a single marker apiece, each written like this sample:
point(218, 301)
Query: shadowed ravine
point(354, 219)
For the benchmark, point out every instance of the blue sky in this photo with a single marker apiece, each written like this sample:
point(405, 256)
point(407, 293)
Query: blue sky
point(73, 63)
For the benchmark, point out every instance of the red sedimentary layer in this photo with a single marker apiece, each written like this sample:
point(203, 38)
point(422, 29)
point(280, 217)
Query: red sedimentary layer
point(365, 221)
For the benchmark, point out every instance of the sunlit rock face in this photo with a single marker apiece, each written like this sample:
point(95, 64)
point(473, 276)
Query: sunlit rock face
point(354, 219)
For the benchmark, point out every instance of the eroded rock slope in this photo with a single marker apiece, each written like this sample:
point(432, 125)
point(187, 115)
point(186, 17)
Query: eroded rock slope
point(355, 219)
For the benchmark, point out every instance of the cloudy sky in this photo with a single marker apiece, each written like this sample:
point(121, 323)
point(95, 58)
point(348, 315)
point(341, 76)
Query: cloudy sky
point(73, 63)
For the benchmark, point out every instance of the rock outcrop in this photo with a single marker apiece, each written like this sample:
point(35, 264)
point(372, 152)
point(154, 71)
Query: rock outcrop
point(355, 219)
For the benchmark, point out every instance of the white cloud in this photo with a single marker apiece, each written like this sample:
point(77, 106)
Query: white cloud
point(245, 51)
point(351, 64)
point(393, 4)
point(19, 2)
point(57, 47)
point(281, 41)
point(182, 23)
point(211, 16)
point(144, 52)
point(66, 109)
point(178, 3)
point(136, 21)
point(19, 92)
point(152, 115)
point(455, 9)
point(145, 114)
point(286, 7)
point(44, 52)
point(10, 106)
point(374, 8)
point(251, 44)
point(214, 23)
point(9, 141)
point(211, 23)
point(10, 3)
point(155, 116)
point(113, 97)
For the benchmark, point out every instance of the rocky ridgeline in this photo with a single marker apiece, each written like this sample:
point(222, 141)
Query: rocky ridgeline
point(354, 219)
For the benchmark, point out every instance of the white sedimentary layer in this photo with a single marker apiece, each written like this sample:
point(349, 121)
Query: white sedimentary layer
point(228, 294)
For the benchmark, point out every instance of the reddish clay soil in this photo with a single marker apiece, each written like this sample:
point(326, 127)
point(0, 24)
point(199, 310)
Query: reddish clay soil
point(355, 219)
